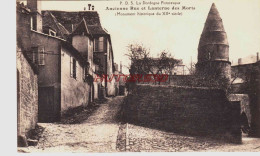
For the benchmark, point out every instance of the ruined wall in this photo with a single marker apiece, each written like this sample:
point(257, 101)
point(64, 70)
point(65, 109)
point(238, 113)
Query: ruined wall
point(74, 92)
point(27, 95)
point(194, 111)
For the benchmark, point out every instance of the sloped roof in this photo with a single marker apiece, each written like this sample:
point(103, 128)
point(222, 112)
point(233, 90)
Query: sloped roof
point(71, 20)
point(97, 30)
point(213, 32)
point(82, 26)
point(49, 20)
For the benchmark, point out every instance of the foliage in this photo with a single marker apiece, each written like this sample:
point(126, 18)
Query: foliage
point(143, 63)
point(211, 79)
point(166, 63)
point(140, 59)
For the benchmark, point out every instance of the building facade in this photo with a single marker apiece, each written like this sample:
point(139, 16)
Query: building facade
point(64, 56)
point(27, 84)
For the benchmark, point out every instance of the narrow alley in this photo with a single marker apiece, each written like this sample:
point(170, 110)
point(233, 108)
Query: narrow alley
point(97, 134)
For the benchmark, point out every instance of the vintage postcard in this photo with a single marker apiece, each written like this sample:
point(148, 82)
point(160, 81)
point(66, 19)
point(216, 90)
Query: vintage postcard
point(138, 76)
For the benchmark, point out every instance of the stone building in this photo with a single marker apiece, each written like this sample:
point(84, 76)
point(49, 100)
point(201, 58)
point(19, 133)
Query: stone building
point(213, 49)
point(102, 44)
point(27, 85)
point(248, 84)
point(63, 54)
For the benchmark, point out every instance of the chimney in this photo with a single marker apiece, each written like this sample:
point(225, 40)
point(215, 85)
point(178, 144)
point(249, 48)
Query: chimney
point(257, 56)
point(36, 17)
point(34, 5)
point(120, 66)
point(239, 61)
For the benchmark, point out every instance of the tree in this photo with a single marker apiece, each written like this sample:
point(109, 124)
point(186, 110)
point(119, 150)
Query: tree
point(167, 62)
point(140, 59)
point(142, 63)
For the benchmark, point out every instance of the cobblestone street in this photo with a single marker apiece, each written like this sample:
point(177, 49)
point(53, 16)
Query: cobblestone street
point(97, 134)
point(142, 139)
point(103, 132)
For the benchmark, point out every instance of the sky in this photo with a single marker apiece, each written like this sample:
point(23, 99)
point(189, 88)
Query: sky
point(178, 34)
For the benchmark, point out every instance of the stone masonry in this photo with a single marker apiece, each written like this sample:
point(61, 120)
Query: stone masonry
point(193, 111)
point(27, 95)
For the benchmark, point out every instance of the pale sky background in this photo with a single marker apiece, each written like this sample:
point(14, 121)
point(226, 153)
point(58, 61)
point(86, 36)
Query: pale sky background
point(178, 34)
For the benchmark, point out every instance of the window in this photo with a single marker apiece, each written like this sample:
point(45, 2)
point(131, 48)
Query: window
point(41, 56)
point(52, 33)
point(95, 44)
point(85, 73)
point(38, 55)
point(73, 67)
point(89, 42)
point(100, 43)
point(35, 55)
point(33, 23)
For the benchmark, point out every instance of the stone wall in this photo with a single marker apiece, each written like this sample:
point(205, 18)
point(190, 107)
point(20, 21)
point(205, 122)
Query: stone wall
point(193, 111)
point(250, 74)
point(27, 95)
point(244, 103)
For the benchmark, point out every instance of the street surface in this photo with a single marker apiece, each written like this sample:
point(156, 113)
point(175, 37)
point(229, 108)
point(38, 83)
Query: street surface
point(102, 131)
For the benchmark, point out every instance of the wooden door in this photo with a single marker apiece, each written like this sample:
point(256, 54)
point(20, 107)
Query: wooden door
point(46, 108)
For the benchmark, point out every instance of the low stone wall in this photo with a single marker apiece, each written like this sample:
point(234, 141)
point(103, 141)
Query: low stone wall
point(193, 111)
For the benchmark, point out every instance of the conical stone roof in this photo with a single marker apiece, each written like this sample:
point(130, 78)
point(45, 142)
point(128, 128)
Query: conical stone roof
point(213, 32)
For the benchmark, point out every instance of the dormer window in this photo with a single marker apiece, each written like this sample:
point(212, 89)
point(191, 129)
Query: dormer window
point(52, 33)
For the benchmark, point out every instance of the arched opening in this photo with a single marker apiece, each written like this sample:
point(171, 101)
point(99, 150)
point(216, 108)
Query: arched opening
point(244, 123)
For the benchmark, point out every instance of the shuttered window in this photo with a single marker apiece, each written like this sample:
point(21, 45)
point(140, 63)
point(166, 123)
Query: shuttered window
point(35, 55)
point(41, 59)
point(73, 67)
point(101, 44)
point(38, 55)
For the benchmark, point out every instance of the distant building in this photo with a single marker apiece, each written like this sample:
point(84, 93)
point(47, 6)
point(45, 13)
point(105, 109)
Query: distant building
point(120, 80)
point(247, 60)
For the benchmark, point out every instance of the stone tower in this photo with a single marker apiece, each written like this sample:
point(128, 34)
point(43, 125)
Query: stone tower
point(213, 50)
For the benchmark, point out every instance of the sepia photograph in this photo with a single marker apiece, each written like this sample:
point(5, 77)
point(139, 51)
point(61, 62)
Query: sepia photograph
point(110, 76)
